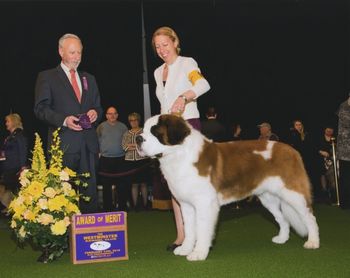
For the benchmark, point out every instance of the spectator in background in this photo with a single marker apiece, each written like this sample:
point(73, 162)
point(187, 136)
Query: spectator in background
point(236, 132)
point(212, 128)
point(301, 140)
point(110, 135)
point(343, 153)
point(135, 163)
point(14, 155)
point(266, 132)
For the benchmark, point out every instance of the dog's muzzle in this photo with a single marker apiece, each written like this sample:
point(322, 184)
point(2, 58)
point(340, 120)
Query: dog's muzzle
point(139, 140)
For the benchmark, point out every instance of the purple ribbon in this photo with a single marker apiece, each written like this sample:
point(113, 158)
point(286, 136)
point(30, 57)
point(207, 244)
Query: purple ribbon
point(85, 83)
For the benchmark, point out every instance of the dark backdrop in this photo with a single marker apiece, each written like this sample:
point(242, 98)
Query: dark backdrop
point(111, 35)
point(271, 60)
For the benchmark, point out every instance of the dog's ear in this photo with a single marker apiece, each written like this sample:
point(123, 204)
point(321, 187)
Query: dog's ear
point(171, 130)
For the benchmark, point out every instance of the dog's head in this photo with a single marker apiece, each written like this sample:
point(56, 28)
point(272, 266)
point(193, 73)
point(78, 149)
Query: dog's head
point(161, 133)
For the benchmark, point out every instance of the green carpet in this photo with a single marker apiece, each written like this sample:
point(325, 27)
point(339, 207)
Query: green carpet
point(242, 248)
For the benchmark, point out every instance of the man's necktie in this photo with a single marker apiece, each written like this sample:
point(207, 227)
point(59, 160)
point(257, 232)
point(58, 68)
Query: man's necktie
point(75, 84)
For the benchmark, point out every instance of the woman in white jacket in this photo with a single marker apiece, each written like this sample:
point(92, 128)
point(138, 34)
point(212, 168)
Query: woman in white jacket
point(179, 84)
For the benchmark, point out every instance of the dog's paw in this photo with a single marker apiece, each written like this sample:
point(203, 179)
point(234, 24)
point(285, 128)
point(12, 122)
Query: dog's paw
point(312, 244)
point(197, 256)
point(182, 250)
point(279, 239)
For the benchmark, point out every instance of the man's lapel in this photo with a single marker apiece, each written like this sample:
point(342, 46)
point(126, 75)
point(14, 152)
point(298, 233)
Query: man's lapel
point(84, 85)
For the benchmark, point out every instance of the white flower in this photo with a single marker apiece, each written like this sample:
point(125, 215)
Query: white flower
point(23, 180)
point(50, 192)
point(45, 219)
point(66, 221)
point(64, 176)
point(42, 203)
point(13, 224)
point(18, 201)
point(67, 187)
point(22, 232)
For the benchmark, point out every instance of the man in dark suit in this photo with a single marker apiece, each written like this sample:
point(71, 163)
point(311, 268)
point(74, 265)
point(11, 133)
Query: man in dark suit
point(62, 95)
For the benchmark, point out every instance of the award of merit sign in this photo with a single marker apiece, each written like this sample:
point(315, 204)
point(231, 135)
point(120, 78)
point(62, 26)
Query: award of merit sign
point(98, 237)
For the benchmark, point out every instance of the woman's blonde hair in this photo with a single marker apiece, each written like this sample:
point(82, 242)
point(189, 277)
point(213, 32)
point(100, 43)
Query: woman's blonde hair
point(166, 31)
point(135, 115)
point(16, 120)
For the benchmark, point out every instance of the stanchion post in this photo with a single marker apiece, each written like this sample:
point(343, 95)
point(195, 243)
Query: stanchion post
point(335, 171)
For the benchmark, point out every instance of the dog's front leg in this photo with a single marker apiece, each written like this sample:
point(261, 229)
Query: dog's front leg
point(207, 212)
point(188, 215)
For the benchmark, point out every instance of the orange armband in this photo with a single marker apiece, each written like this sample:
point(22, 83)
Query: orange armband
point(194, 76)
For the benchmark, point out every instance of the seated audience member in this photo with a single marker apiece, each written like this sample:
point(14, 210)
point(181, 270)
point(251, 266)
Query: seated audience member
point(110, 135)
point(14, 154)
point(266, 132)
point(135, 163)
point(212, 127)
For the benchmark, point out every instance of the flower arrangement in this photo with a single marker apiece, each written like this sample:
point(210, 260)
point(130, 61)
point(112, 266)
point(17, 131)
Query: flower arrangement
point(42, 210)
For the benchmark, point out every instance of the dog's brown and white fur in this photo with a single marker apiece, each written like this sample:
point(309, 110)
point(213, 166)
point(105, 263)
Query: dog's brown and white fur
point(203, 176)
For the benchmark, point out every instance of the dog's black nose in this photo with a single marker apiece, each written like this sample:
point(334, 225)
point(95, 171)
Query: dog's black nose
point(139, 139)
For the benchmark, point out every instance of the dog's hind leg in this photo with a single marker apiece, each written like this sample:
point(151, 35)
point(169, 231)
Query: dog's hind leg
point(272, 203)
point(306, 219)
point(188, 215)
point(207, 212)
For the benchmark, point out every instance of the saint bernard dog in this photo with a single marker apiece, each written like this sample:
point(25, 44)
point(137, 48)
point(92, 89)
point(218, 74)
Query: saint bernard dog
point(203, 176)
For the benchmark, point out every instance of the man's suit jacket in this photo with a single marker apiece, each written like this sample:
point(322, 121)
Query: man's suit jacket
point(55, 100)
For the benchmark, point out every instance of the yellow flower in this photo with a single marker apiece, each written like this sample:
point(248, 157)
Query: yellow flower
point(86, 175)
point(46, 196)
point(29, 215)
point(45, 219)
point(42, 203)
point(57, 203)
point(22, 232)
point(72, 208)
point(59, 228)
point(17, 202)
point(50, 192)
point(70, 172)
point(18, 211)
point(54, 171)
point(28, 200)
point(35, 189)
point(38, 161)
point(71, 193)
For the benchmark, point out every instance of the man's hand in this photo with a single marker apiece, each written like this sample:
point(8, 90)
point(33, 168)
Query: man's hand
point(92, 114)
point(72, 123)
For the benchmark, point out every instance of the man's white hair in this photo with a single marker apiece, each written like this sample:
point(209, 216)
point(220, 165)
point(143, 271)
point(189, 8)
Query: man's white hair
point(67, 36)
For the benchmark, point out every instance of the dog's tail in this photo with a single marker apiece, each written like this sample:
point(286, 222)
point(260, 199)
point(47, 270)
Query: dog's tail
point(294, 219)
